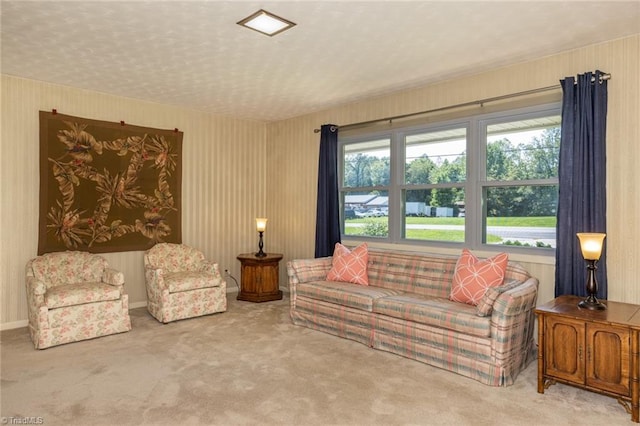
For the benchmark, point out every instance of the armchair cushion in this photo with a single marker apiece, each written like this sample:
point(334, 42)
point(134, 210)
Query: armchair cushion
point(77, 294)
point(190, 280)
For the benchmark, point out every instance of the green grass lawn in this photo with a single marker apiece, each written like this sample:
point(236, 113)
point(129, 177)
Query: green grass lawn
point(541, 221)
point(451, 235)
point(430, 234)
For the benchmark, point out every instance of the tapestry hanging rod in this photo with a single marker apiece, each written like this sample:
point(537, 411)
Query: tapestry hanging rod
point(481, 102)
point(122, 123)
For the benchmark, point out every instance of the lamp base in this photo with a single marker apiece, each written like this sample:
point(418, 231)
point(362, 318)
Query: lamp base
point(593, 304)
point(260, 253)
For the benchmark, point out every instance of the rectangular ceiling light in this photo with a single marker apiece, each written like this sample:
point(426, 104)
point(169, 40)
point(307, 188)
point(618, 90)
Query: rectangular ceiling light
point(266, 23)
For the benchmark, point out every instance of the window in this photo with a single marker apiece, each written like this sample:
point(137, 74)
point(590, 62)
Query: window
point(365, 176)
point(483, 181)
point(520, 183)
point(435, 176)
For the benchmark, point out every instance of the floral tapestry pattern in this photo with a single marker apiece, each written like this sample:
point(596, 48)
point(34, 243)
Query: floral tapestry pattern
point(107, 187)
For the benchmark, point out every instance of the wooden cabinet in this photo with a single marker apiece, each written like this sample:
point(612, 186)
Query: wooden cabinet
point(594, 350)
point(260, 277)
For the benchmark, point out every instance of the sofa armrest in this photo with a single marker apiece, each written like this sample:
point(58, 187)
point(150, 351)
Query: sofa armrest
point(512, 324)
point(113, 277)
point(306, 270)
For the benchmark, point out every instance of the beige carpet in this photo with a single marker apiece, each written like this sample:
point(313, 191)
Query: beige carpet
point(251, 366)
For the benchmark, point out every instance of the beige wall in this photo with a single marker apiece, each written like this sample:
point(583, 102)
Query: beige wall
point(292, 153)
point(223, 186)
point(235, 170)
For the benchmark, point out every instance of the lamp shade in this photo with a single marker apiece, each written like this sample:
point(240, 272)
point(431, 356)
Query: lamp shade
point(591, 244)
point(261, 224)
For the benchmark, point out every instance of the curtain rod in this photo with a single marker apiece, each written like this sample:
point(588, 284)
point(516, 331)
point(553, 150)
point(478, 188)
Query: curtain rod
point(461, 105)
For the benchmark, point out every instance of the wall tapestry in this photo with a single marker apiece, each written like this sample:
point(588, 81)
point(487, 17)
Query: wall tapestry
point(107, 187)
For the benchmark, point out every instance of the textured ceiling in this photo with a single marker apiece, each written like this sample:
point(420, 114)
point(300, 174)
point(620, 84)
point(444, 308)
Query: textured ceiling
point(192, 53)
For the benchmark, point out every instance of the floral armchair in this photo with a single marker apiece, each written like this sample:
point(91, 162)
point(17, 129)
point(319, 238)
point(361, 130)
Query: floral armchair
point(74, 295)
point(181, 283)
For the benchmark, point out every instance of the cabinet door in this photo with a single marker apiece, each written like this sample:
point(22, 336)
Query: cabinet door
point(251, 278)
point(564, 349)
point(269, 279)
point(608, 358)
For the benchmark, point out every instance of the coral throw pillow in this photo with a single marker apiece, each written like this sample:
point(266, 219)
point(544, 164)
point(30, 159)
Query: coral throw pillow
point(350, 266)
point(472, 276)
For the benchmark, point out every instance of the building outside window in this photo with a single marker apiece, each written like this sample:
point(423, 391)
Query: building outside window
point(482, 181)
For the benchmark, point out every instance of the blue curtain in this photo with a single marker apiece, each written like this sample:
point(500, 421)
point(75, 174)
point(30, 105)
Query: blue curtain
point(581, 172)
point(328, 207)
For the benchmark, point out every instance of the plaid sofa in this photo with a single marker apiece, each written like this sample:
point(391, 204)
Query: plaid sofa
point(406, 310)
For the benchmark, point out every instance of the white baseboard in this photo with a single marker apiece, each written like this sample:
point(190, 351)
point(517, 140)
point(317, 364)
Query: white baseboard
point(14, 324)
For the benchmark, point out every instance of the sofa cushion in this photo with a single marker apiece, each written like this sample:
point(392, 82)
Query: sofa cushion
point(77, 294)
point(345, 294)
point(434, 311)
point(190, 280)
point(350, 266)
point(426, 275)
point(473, 276)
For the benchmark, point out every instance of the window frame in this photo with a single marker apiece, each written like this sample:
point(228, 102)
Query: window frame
point(342, 189)
point(402, 135)
point(475, 185)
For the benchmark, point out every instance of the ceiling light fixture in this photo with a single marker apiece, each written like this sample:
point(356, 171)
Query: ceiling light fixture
point(266, 23)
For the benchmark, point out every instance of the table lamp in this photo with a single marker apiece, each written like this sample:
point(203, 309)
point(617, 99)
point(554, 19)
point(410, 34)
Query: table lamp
point(591, 246)
point(261, 226)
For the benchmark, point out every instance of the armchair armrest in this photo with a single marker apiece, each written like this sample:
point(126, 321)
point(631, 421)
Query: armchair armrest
point(36, 290)
point(35, 286)
point(210, 267)
point(155, 277)
point(157, 290)
point(113, 277)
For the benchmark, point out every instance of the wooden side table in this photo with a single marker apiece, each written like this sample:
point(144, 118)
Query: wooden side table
point(593, 350)
point(260, 277)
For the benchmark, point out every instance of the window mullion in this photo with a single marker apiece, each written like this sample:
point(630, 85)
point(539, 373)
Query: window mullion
point(395, 191)
point(473, 199)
